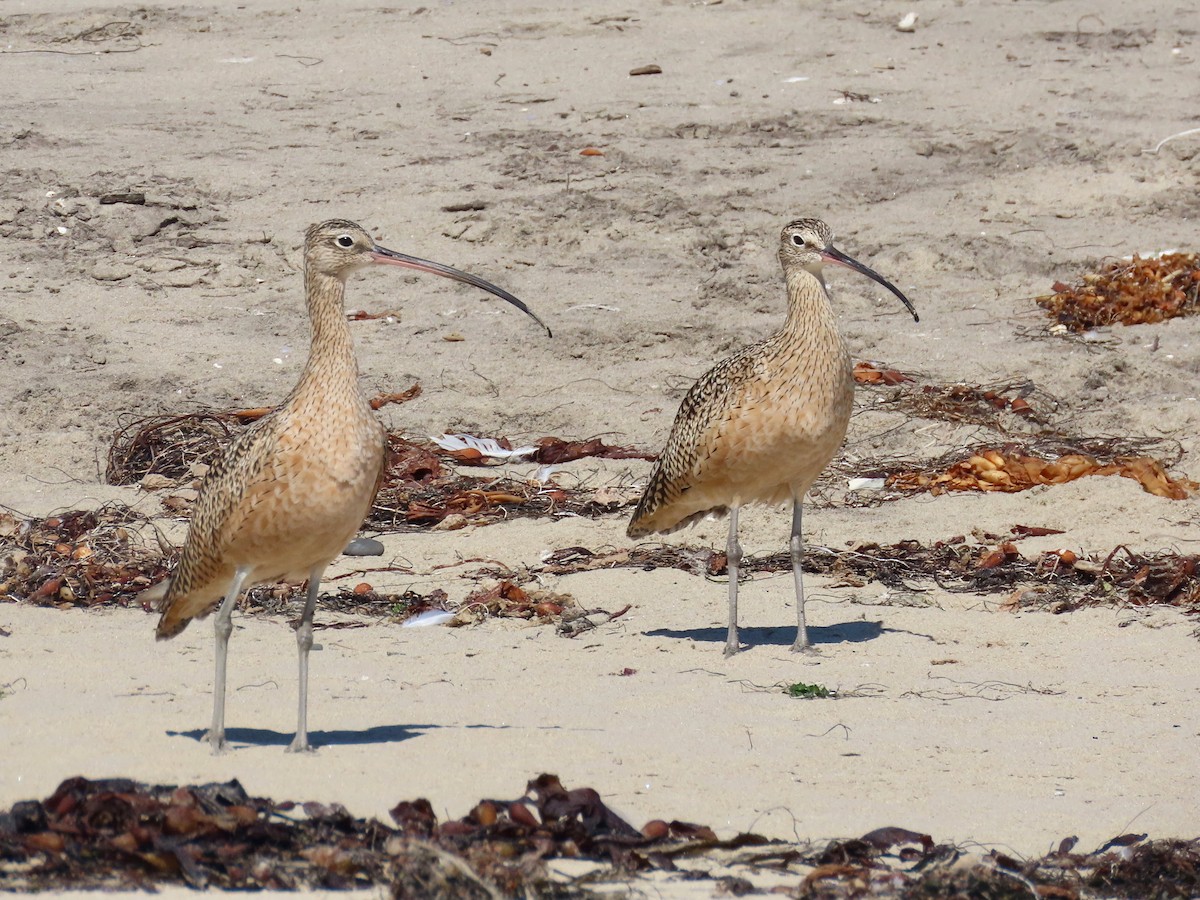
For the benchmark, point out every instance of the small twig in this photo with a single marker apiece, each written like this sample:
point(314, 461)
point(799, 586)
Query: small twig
point(100, 33)
point(1079, 32)
point(82, 52)
point(459, 865)
point(312, 60)
point(845, 728)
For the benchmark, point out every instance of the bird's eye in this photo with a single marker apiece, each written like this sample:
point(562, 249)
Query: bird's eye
point(797, 240)
point(344, 240)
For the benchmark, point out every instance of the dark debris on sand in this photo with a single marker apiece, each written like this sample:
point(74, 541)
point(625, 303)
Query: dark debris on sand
point(1030, 446)
point(87, 558)
point(418, 490)
point(502, 599)
point(1129, 292)
point(1012, 467)
point(119, 834)
point(170, 445)
point(78, 558)
point(1009, 466)
point(1003, 406)
point(1058, 580)
point(84, 558)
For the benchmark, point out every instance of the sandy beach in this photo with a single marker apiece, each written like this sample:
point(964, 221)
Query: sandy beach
point(974, 160)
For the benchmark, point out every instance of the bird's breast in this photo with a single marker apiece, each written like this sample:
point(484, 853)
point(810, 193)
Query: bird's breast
point(785, 426)
point(337, 456)
point(318, 485)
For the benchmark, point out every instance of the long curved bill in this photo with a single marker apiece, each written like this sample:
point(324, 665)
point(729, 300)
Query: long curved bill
point(392, 258)
point(832, 254)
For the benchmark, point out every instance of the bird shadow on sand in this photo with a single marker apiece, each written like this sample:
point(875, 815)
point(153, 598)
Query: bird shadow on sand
point(783, 636)
point(265, 737)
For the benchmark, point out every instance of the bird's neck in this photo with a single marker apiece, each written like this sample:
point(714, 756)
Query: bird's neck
point(331, 365)
point(810, 326)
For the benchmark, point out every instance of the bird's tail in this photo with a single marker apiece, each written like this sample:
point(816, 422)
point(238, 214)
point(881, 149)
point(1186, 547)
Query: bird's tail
point(170, 624)
point(158, 597)
point(666, 507)
point(656, 522)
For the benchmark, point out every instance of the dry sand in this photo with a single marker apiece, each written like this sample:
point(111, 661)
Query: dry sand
point(997, 148)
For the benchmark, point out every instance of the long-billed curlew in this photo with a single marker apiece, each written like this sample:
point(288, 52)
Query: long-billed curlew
point(287, 495)
point(759, 426)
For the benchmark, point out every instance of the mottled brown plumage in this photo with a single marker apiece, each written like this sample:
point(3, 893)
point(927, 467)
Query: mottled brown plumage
point(292, 490)
point(762, 424)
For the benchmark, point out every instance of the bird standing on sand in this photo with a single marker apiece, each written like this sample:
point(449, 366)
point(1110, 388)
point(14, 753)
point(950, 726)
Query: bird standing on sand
point(291, 490)
point(761, 425)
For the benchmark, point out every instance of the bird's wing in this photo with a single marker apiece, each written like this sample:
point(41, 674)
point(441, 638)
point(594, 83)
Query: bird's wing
point(228, 496)
point(688, 455)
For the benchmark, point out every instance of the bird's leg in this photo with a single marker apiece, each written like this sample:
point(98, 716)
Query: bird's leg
point(796, 546)
point(733, 557)
point(223, 627)
point(304, 641)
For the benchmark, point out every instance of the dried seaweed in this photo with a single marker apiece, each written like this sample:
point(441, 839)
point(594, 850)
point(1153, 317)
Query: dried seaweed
point(1008, 469)
point(175, 446)
point(1004, 406)
point(361, 600)
point(1131, 292)
point(169, 445)
point(508, 601)
point(546, 451)
point(88, 558)
point(119, 834)
point(1059, 581)
point(470, 499)
point(871, 372)
point(502, 600)
point(91, 558)
point(1013, 466)
point(454, 501)
point(383, 399)
point(77, 558)
point(417, 490)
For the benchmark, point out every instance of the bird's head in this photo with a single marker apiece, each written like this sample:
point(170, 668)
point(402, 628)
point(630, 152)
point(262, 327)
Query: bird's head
point(808, 244)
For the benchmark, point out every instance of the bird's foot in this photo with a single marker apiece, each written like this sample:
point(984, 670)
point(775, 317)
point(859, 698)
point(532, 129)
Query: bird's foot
point(301, 745)
point(806, 648)
point(216, 740)
point(732, 647)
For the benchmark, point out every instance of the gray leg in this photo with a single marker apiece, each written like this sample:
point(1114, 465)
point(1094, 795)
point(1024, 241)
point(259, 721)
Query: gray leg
point(223, 627)
point(304, 641)
point(733, 554)
point(797, 549)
